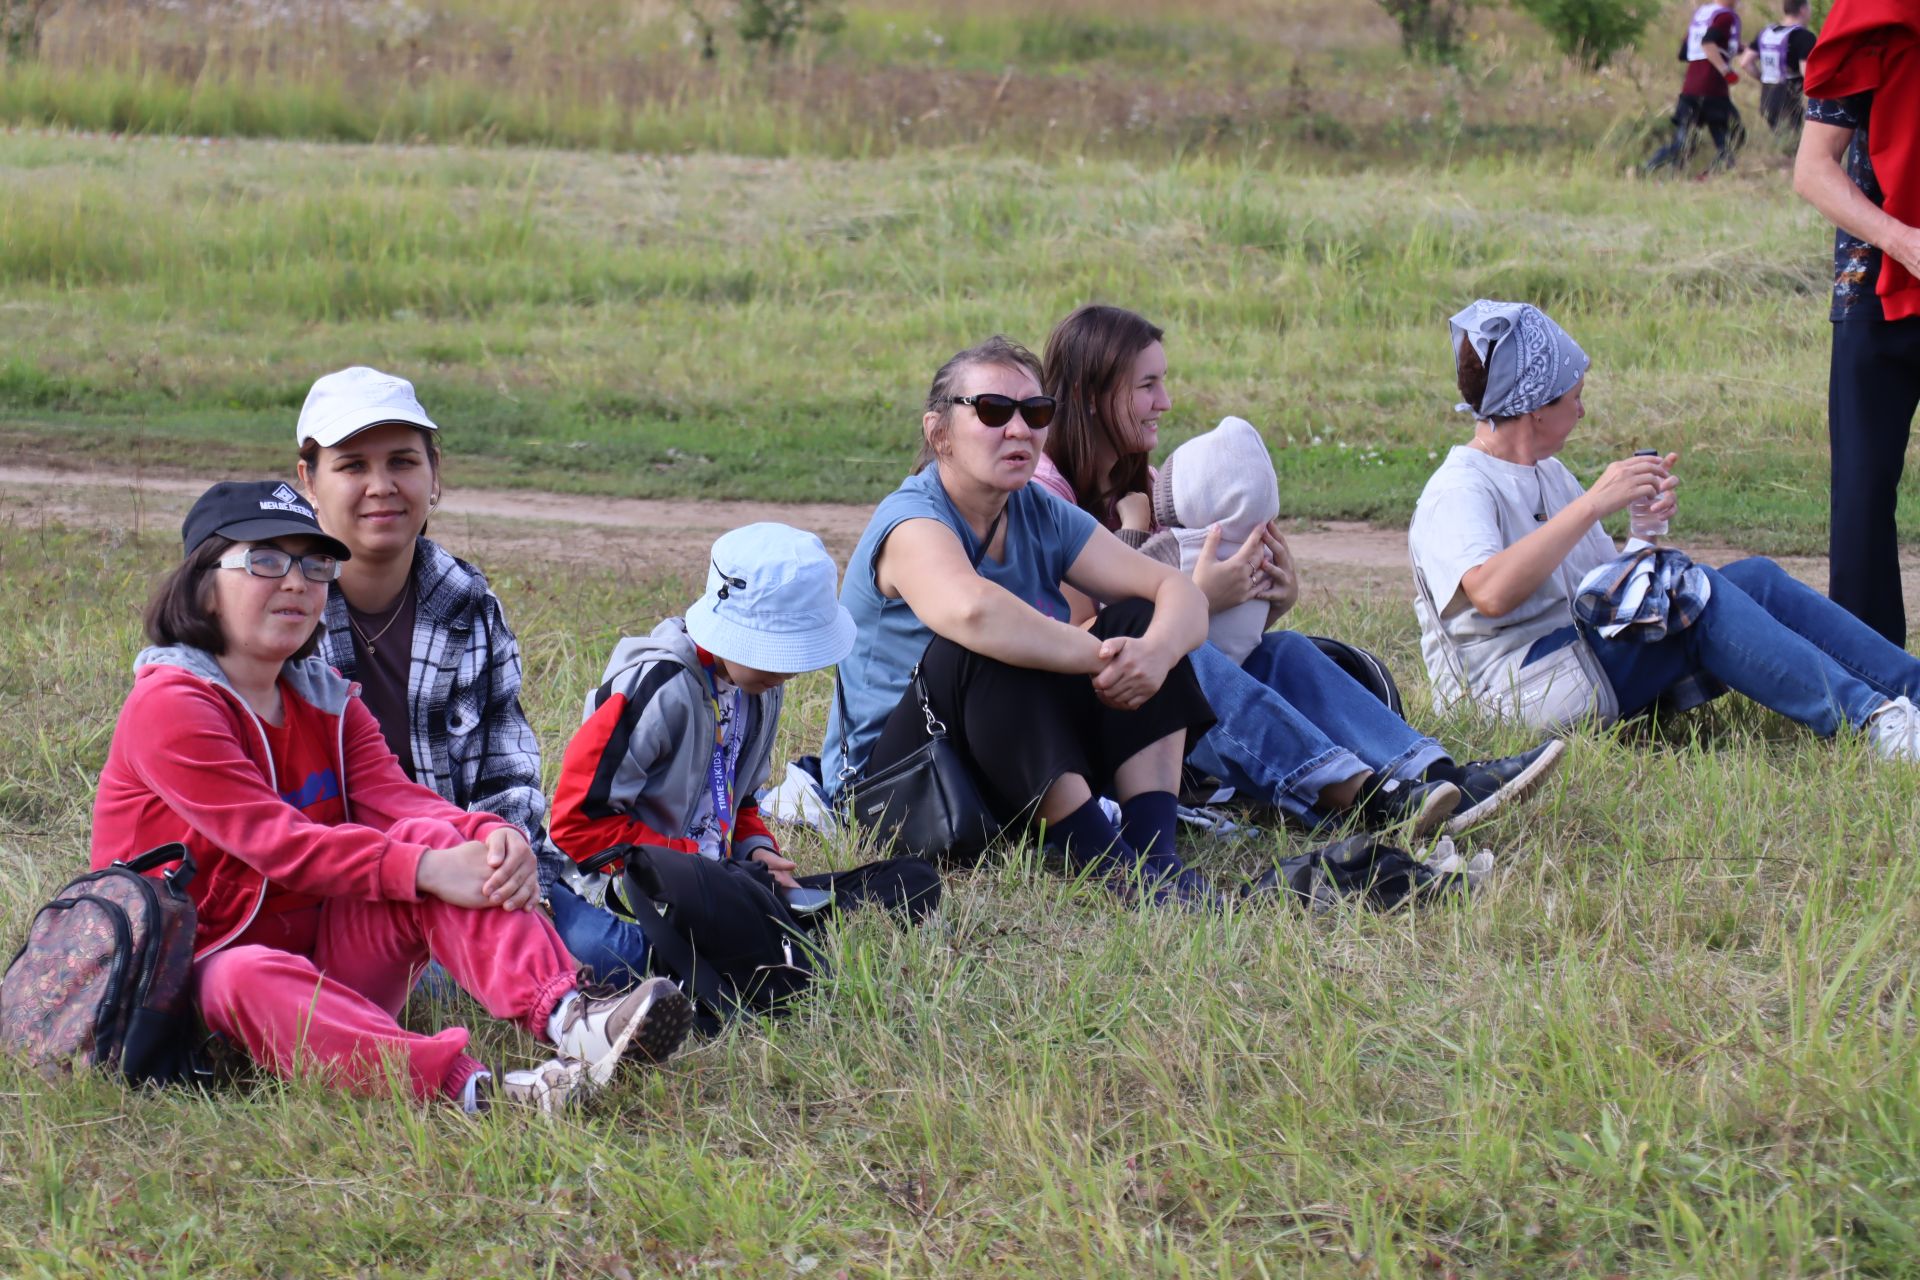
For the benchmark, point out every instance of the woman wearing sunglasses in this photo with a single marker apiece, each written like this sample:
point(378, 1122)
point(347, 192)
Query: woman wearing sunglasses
point(959, 574)
point(418, 628)
point(1295, 731)
point(325, 878)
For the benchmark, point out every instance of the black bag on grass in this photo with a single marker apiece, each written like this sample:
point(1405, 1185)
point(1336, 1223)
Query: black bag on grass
point(1365, 668)
point(909, 887)
point(1361, 866)
point(104, 978)
point(716, 928)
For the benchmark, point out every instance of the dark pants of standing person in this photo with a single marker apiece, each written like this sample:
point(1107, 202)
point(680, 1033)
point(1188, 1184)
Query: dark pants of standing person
point(1024, 729)
point(1783, 106)
point(1689, 113)
point(1872, 391)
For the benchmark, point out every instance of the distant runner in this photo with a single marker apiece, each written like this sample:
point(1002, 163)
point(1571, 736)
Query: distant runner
point(1779, 57)
point(1713, 39)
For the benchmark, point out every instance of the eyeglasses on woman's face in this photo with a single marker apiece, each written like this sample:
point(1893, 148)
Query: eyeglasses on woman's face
point(272, 562)
point(996, 410)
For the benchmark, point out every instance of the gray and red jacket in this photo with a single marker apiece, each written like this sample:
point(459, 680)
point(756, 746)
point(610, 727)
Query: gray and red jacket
point(636, 771)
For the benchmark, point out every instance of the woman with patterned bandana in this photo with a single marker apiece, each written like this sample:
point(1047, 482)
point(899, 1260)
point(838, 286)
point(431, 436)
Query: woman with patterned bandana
point(1503, 537)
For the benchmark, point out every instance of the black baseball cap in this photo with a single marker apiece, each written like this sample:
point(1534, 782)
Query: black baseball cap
point(253, 511)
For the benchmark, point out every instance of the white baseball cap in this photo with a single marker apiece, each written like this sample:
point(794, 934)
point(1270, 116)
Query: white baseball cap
point(346, 403)
point(771, 602)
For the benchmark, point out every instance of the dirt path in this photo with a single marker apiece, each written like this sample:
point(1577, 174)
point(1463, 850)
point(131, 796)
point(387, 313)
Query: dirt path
point(650, 537)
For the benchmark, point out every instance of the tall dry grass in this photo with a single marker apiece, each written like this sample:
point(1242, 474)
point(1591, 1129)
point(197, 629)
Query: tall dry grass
point(1063, 78)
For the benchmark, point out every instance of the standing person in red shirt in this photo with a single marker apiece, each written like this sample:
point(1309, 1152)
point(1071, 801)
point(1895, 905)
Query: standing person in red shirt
point(1713, 39)
point(1863, 97)
point(1779, 57)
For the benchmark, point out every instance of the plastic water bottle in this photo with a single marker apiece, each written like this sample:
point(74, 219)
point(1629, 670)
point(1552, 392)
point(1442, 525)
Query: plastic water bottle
point(1639, 523)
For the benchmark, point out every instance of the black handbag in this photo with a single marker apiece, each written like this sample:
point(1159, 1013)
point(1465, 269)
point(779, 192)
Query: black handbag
point(927, 803)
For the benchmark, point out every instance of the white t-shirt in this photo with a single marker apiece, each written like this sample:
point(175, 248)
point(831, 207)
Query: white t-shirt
point(1474, 507)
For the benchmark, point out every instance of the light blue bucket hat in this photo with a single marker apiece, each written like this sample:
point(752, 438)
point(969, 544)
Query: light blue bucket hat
point(771, 602)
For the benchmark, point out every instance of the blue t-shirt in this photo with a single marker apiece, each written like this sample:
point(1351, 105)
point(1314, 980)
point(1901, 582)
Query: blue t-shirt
point(1044, 537)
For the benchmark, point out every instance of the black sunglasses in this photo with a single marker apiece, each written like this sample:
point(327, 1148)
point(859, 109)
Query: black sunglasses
point(997, 410)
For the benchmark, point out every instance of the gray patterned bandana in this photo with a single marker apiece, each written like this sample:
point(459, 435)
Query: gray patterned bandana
point(1532, 362)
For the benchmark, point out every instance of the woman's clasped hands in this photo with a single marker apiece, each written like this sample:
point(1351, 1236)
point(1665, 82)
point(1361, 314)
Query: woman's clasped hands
point(1262, 569)
point(497, 872)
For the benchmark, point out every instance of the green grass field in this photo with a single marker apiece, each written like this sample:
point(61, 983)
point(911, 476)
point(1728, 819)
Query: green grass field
point(1676, 1037)
point(718, 326)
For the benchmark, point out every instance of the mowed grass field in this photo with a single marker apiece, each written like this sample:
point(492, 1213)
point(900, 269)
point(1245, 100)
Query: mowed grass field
point(1677, 1036)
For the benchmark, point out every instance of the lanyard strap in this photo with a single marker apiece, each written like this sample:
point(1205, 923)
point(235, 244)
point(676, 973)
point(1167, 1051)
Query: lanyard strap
point(720, 772)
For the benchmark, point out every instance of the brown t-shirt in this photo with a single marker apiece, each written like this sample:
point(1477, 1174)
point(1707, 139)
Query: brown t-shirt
point(382, 668)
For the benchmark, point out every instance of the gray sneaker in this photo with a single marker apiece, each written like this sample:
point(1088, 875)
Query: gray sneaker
point(653, 1018)
point(1896, 730)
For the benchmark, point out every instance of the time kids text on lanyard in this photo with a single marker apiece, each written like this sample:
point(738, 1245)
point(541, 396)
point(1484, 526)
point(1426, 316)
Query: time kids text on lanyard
point(720, 772)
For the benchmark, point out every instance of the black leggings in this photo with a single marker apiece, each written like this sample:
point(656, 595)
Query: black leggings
point(1872, 391)
point(1023, 730)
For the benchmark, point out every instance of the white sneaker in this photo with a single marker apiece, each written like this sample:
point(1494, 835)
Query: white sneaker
point(1896, 730)
point(653, 1017)
point(549, 1088)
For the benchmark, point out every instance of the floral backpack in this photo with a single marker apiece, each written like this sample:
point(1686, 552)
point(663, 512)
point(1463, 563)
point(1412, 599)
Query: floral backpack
point(103, 979)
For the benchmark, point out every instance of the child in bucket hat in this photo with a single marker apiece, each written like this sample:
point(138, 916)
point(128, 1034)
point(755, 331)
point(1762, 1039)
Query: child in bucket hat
point(678, 738)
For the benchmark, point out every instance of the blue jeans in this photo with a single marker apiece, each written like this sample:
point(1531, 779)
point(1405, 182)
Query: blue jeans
point(1778, 641)
point(1291, 723)
point(614, 949)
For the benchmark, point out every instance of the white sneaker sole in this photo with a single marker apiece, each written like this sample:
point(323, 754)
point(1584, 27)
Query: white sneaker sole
point(668, 1020)
point(1522, 785)
point(1440, 802)
point(547, 1097)
point(656, 1029)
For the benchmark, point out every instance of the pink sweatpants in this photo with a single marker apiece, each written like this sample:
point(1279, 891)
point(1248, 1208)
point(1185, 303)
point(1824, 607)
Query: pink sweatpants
point(322, 986)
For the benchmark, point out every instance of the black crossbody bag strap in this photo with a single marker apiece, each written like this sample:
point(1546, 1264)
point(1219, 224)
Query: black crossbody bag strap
point(919, 685)
point(675, 951)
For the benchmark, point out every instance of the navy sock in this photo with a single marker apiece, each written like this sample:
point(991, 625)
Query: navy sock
point(1445, 770)
point(1087, 837)
point(1148, 822)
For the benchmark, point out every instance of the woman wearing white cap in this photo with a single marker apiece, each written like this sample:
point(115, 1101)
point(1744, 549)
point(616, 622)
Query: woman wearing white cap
point(418, 628)
point(678, 740)
point(959, 574)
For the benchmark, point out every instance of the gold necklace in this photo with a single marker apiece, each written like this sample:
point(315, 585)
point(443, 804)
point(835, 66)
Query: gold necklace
point(368, 640)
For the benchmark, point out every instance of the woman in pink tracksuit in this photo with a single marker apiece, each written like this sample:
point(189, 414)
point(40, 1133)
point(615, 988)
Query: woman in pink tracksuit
point(326, 877)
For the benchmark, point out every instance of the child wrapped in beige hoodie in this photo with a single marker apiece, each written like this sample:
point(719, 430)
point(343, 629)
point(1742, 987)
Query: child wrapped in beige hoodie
point(1222, 477)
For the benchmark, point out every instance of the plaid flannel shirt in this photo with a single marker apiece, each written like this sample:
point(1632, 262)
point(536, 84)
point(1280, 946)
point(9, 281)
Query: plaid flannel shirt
point(1646, 594)
point(471, 741)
